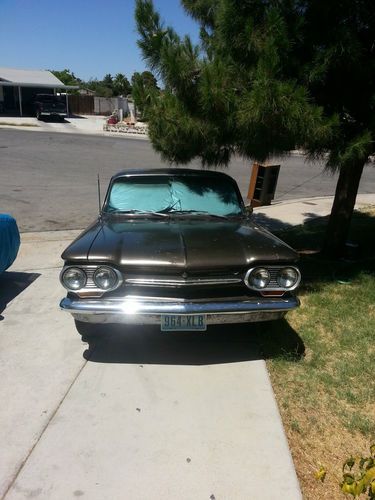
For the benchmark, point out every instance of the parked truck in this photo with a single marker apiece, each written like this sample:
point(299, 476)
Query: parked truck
point(50, 105)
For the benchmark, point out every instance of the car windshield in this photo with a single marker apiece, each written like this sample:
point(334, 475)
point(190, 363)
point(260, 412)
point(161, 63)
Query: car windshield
point(195, 195)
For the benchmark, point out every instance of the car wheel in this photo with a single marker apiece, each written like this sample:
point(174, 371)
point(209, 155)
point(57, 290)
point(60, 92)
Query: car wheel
point(88, 331)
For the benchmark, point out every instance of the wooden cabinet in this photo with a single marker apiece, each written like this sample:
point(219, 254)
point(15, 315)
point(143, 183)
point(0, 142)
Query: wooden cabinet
point(263, 182)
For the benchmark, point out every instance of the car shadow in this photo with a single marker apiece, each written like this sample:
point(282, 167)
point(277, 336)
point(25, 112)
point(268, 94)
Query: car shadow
point(12, 284)
point(53, 119)
point(220, 344)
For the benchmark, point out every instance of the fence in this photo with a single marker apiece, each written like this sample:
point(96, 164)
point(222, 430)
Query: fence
point(89, 105)
point(81, 104)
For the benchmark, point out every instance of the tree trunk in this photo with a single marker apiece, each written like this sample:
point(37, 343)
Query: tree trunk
point(342, 210)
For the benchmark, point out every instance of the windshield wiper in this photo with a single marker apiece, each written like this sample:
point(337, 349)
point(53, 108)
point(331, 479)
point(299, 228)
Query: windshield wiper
point(138, 212)
point(198, 212)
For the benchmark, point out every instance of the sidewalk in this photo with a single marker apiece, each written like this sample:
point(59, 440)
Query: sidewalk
point(284, 214)
point(85, 124)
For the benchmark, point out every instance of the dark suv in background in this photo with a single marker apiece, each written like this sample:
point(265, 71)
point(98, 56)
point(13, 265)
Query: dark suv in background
point(50, 105)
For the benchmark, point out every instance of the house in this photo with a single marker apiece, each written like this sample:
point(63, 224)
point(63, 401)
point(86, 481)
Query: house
point(84, 91)
point(18, 88)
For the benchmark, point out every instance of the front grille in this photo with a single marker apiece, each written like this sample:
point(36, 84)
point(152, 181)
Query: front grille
point(89, 270)
point(180, 281)
point(274, 271)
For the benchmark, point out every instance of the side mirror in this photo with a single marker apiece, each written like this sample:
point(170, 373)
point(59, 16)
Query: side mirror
point(248, 210)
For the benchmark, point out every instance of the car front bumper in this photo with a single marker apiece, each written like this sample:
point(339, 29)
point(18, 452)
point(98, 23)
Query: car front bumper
point(142, 311)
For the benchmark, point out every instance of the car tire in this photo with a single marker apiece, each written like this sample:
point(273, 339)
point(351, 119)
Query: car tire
point(88, 331)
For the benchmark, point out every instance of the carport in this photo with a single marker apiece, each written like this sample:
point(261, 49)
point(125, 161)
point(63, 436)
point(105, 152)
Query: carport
point(18, 87)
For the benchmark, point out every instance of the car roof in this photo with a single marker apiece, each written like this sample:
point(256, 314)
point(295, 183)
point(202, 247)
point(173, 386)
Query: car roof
point(170, 171)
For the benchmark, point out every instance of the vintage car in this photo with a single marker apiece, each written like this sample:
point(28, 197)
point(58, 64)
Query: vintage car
point(176, 248)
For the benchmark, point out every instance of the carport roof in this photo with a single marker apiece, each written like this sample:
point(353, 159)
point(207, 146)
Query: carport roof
point(31, 78)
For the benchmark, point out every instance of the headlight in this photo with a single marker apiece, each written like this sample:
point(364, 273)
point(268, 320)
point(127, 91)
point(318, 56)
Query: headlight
point(287, 277)
point(105, 278)
point(73, 278)
point(258, 278)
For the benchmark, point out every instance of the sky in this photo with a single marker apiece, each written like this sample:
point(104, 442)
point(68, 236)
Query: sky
point(89, 37)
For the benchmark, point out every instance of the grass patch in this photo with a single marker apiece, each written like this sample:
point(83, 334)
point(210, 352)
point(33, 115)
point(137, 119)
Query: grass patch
point(9, 124)
point(323, 370)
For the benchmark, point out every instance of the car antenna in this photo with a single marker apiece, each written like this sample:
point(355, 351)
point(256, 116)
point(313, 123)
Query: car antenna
point(99, 197)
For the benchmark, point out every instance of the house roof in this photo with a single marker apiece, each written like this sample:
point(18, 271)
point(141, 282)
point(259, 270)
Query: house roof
point(31, 78)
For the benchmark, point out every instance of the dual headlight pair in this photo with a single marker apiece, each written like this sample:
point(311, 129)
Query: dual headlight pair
point(75, 278)
point(106, 278)
point(260, 278)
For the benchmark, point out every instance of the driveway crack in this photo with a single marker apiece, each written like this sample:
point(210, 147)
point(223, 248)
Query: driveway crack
point(45, 427)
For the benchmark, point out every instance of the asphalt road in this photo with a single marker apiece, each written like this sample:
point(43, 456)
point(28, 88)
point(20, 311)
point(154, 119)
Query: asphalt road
point(48, 180)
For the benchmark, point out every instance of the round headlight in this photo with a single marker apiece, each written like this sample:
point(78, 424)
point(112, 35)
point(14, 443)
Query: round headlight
point(259, 278)
point(105, 278)
point(74, 278)
point(287, 277)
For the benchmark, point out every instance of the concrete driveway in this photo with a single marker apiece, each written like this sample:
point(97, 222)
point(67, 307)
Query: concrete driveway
point(138, 414)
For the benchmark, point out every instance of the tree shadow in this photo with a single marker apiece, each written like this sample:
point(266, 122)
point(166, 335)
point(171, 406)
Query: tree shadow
point(316, 269)
point(220, 344)
point(270, 223)
point(11, 285)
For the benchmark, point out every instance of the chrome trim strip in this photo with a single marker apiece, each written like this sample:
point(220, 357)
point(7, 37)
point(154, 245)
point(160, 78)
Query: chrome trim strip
point(182, 281)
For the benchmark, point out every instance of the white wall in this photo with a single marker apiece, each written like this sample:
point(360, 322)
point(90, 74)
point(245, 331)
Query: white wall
point(106, 105)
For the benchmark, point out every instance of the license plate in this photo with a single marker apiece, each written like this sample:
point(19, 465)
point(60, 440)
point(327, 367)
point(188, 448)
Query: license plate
point(181, 322)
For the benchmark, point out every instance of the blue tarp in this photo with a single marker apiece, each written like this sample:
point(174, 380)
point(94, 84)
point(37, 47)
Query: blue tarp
point(9, 241)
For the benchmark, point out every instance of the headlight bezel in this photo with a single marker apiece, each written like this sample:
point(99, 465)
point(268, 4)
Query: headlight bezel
point(252, 272)
point(70, 269)
point(116, 273)
point(273, 285)
point(296, 282)
point(90, 287)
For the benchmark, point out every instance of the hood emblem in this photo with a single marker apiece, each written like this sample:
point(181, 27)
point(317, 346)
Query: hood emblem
point(184, 275)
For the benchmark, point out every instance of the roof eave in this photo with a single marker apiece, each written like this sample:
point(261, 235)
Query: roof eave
point(39, 85)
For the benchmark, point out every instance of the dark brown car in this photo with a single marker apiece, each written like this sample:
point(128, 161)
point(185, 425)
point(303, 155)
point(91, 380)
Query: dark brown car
point(176, 248)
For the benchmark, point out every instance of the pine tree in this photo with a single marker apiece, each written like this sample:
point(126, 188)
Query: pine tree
point(266, 78)
point(144, 91)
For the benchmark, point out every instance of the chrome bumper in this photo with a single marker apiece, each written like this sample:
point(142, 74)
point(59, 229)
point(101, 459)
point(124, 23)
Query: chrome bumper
point(141, 311)
point(53, 113)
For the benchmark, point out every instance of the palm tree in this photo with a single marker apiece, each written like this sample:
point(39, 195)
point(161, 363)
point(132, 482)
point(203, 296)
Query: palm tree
point(121, 84)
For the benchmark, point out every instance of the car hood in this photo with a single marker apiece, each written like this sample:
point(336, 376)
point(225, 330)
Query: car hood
point(187, 244)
